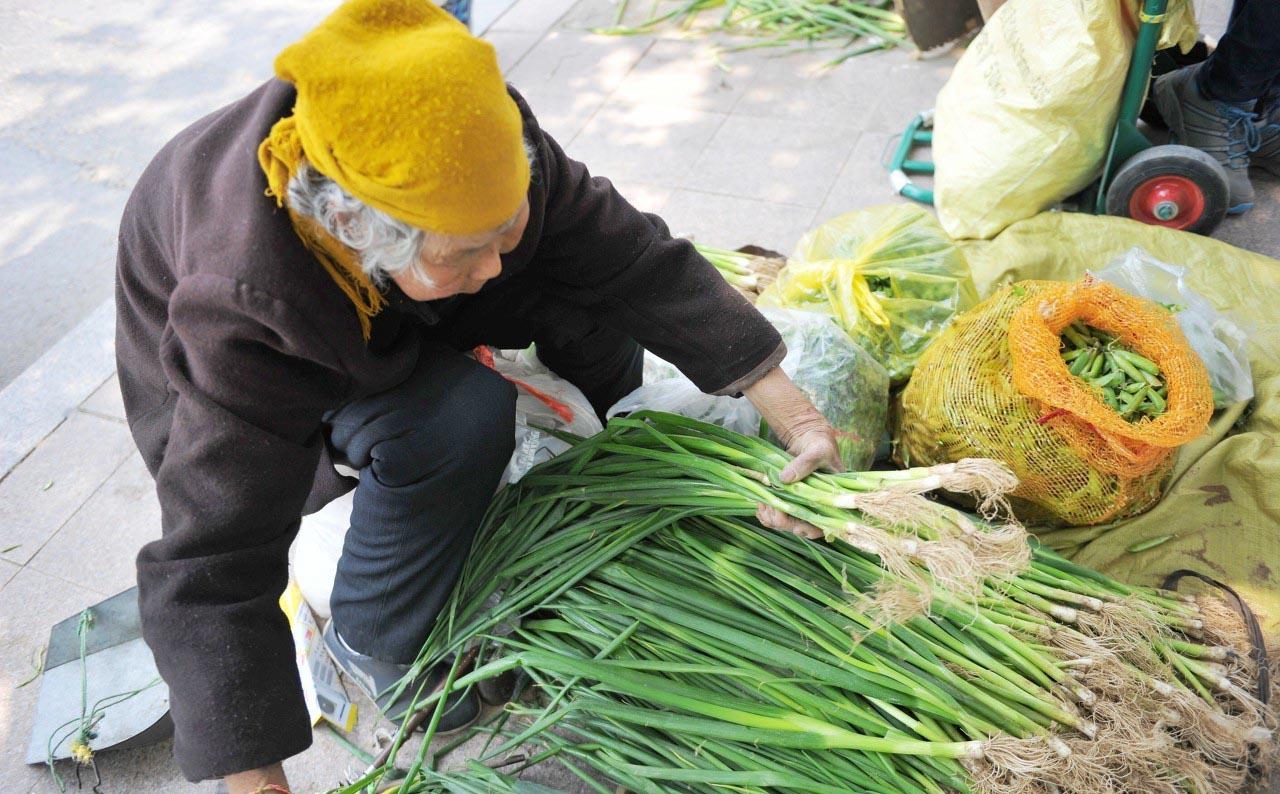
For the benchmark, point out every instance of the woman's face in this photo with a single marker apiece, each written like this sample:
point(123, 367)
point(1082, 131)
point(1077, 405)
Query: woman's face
point(464, 264)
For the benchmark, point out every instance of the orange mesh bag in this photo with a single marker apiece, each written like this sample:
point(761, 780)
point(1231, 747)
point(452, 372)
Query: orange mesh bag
point(994, 385)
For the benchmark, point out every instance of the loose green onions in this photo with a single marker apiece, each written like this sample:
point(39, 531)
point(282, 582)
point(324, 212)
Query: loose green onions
point(674, 645)
point(1128, 383)
point(857, 26)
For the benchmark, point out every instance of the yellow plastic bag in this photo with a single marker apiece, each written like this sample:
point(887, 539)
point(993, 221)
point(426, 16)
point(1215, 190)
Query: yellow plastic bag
point(1024, 121)
point(889, 276)
point(1222, 502)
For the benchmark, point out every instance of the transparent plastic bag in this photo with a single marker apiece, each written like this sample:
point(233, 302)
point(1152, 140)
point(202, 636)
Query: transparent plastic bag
point(1221, 343)
point(844, 382)
point(889, 275)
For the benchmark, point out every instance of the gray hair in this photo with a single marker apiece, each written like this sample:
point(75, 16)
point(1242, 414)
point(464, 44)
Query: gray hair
point(385, 246)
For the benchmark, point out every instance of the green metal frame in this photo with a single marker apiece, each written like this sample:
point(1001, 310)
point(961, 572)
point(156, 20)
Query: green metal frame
point(919, 132)
point(1126, 139)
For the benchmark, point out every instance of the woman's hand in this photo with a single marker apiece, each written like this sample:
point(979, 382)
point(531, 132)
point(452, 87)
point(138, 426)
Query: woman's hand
point(804, 432)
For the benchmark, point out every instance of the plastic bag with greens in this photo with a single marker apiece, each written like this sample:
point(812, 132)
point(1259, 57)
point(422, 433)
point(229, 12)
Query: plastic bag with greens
point(1222, 344)
point(890, 276)
point(844, 382)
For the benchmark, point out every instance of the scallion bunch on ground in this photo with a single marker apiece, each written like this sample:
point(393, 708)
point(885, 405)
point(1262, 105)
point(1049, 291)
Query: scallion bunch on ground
point(674, 645)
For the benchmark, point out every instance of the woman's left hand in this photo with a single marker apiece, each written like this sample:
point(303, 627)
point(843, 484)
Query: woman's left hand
point(804, 432)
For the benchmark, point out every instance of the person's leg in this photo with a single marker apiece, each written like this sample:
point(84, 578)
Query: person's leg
point(430, 453)
point(1246, 61)
point(1268, 155)
point(1211, 105)
point(605, 364)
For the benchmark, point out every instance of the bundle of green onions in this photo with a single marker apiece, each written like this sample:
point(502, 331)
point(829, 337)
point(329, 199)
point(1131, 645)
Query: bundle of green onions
point(1128, 383)
point(675, 645)
point(859, 26)
point(747, 273)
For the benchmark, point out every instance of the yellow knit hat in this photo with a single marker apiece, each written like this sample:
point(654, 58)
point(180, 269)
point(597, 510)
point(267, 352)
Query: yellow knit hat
point(400, 105)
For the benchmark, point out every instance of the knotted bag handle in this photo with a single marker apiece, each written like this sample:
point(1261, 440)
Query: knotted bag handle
point(1258, 649)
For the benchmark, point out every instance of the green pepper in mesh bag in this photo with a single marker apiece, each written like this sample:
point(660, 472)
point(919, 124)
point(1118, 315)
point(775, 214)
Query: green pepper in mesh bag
point(889, 276)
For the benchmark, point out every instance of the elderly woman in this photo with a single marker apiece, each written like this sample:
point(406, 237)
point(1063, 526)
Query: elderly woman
point(301, 275)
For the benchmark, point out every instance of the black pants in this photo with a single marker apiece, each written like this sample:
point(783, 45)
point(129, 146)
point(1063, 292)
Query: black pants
point(430, 453)
point(1246, 64)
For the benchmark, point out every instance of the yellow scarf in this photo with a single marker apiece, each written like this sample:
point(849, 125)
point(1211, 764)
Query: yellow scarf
point(280, 155)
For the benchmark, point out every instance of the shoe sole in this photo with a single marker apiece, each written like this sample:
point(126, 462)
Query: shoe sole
point(374, 700)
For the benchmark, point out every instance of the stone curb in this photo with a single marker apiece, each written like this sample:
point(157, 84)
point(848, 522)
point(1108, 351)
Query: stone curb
point(39, 399)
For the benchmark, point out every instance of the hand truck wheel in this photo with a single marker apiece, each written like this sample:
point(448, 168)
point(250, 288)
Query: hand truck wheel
point(1177, 187)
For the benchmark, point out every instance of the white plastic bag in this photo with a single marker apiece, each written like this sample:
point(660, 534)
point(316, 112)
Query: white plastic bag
point(533, 445)
point(1221, 343)
point(844, 382)
point(666, 389)
point(315, 552)
point(313, 558)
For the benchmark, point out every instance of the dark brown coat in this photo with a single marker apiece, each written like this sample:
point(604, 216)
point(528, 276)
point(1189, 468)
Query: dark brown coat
point(232, 342)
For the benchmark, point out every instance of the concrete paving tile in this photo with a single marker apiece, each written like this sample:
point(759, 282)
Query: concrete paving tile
point(568, 76)
point(652, 143)
point(732, 221)
point(485, 12)
point(643, 196)
point(1256, 230)
point(47, 488)
point(801, 87)
point(793, 162)
point(62, 226)
point(106, 400)
point(562, 114)
point(97, 546)
point(912, 85)
point(595, 14)
point(511, 46)
point(7, 571)
point(685, 73)
point(146, 770)
point(863, 180)
point(578, 62)
point(29, 606)
point(533, 16)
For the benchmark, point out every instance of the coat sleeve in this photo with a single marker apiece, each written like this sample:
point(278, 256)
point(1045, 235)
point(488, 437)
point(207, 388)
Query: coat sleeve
point(242, 451)
point(626, 267)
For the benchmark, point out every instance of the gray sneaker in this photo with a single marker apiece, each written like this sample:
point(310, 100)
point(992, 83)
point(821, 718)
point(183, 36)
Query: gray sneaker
point(378, 680)
point(1268, 155)
point(1226, 130)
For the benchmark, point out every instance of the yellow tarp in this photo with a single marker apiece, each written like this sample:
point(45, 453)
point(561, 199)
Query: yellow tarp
point(1223, 501)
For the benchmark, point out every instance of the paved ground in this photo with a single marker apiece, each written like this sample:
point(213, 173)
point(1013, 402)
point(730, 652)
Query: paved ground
point(89, 91)
point(756, 154)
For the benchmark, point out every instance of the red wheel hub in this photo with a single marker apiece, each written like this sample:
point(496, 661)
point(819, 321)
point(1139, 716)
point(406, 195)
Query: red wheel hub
point(1169, 200)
